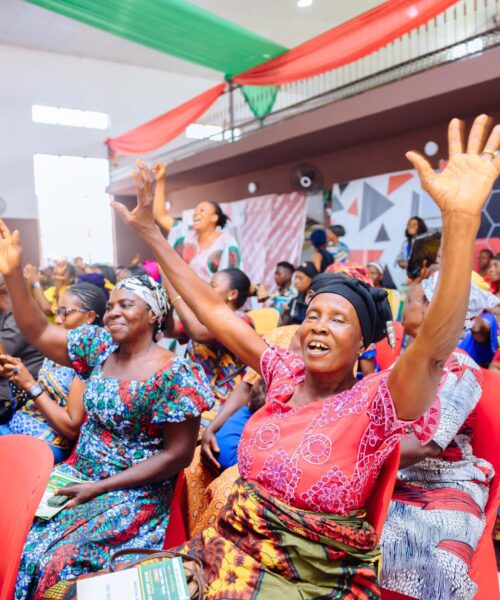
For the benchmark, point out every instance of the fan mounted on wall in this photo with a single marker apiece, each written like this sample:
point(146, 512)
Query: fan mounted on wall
point(306, 178)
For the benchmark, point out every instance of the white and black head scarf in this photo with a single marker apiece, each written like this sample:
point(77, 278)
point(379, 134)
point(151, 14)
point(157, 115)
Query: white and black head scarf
point(479, 300)
point(148, 290)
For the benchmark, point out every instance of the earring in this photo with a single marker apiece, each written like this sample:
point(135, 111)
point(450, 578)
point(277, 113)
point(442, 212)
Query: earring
point(391, 336)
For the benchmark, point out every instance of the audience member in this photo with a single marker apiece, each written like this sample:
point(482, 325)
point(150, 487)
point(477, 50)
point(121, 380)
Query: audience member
point(305, 465)
point(283, 278)
point(13, 343)
point(40, 403)
point(437, 510)
point(339, 250)
point(205, 246)
point(484, 258)
point(321, 258)
point(222, 367)
point(376, 271)
point(295, 312)
point(424, 257)
point(415, 227)
point(139, 422)
point(494, 275)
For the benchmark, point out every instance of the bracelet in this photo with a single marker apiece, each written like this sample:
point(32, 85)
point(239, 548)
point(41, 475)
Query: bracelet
point(36, 285)
point(176, 299)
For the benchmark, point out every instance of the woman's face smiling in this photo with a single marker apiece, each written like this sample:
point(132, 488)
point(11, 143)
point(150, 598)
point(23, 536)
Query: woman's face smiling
point(330, 336)
point(127, 316)
point(205, 217)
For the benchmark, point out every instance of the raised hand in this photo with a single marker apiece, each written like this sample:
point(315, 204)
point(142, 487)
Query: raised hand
point(159, 171)
point(10, 250)
point(141, 217)
point(32, 274)
point(465, 184)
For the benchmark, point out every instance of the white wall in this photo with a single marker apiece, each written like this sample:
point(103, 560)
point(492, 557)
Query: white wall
point(130, 95)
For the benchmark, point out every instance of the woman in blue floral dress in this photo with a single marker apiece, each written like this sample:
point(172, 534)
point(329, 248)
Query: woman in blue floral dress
point(143, 407)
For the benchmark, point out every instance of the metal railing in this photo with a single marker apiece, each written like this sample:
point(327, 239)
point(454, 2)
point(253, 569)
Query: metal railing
point(467, 28)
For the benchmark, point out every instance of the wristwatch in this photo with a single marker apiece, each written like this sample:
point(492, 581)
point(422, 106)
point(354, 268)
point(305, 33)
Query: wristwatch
point(35, 390)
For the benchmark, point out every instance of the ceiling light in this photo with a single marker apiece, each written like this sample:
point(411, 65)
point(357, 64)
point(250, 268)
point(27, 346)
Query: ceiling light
point(304, 3)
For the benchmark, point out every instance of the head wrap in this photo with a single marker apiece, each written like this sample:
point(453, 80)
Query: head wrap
point(376, 264)
point(371, 304)
point(337, 230)
point(149, 291)
point(308, 269)
point(96, 279)
point(479, 300)
point(152, 269)
point(318, 237)
point(351, 269)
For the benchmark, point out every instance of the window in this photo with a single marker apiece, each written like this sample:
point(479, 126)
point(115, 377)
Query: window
point(71, 117)
point(198, 131)
point(73, 207)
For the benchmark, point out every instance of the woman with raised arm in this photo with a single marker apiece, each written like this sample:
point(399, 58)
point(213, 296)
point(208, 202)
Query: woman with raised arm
point(205, 246)
point(49, 407)
point(295, 521)
point(142, 406)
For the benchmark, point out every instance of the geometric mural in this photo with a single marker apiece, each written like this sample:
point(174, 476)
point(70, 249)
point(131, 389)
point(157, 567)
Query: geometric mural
point(374, 205)
point(377, 229)
point(382, 235)
point(375, 223)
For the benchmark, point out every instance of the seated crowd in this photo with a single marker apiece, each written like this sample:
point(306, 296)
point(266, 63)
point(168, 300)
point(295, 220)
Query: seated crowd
point(135, 374)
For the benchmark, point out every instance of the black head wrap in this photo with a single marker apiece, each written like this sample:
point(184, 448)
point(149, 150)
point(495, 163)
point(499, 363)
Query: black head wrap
point(371, 304)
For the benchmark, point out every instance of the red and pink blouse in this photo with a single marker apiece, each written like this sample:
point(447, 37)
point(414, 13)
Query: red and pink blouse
point(325, 456)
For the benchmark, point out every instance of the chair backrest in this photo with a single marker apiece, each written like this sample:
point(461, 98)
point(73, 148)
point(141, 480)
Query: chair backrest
point(486, 444)
point(176, 533)
point(25, 467)
point(264, 319)
point(384, 354)
point(380, 498)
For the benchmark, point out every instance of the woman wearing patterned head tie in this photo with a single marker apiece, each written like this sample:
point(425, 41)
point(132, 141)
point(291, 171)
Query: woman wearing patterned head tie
point(143, 407)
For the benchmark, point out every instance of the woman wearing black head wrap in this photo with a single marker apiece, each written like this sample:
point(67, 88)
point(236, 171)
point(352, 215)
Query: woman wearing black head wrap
point(310, 457)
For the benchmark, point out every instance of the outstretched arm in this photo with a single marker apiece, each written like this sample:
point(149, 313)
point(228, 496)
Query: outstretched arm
point(50, 340)
point(207, 305)
point(68, 419)
point(194, 329)
point(33, 277)
point(460, 191)
point(161, 214)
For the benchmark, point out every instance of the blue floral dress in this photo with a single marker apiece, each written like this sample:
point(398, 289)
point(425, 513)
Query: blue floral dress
point(123, 428)
point(28, 420)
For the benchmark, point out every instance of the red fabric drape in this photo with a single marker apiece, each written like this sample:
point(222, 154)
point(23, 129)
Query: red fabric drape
point(339, 46)
point(346, 43)
point(166, 127)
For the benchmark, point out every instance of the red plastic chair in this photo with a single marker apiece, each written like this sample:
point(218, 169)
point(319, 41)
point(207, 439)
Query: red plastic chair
point(176, 533)
point(377, 505)
point(384, 354)
point(25, 467)
point(486, 444)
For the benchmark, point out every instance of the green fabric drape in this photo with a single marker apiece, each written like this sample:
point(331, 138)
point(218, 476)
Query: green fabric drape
point(181, 29)
point(260, 99)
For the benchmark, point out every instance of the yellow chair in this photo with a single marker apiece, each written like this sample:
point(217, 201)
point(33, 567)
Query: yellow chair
point(264, 319)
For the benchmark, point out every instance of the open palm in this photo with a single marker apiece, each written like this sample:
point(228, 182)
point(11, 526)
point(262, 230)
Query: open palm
point(464, 185)
point(10, 250)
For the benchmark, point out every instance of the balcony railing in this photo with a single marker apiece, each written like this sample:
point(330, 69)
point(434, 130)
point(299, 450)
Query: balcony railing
point(467, 28)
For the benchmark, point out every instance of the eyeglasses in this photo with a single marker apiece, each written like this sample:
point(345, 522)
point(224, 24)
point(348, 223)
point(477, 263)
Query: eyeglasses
point(64, 312)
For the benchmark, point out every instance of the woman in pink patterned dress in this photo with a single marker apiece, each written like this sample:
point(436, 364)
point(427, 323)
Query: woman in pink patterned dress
point(295, 526)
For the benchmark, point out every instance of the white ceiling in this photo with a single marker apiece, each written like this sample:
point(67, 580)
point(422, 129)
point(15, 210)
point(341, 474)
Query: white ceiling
point(26, 25)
